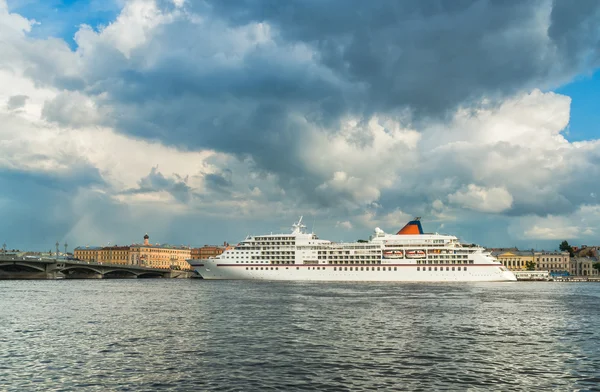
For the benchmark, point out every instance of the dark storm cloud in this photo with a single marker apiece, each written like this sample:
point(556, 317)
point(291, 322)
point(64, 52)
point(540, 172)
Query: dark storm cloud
point(155, 181)
point(433, 55)
point(189, 85)
point(220, 182)
point(427, 56)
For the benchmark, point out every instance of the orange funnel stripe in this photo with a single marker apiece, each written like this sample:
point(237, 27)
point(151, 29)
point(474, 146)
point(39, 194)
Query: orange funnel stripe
point(412, 227)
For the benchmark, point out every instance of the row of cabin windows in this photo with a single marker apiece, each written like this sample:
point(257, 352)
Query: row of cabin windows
point(375, 256)
point(363, 268)
point(448, 256)
point(445, 262)
point(264, 261)
point(347, 252)
point(441, 268)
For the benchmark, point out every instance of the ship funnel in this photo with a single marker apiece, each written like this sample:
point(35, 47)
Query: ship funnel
point(412, 227)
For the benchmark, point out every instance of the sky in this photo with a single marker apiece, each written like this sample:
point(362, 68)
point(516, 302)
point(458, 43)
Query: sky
point(200, 122)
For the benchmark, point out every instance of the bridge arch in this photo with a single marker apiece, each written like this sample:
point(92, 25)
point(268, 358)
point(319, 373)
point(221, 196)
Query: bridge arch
point(151, 274)
point(21, 266)
point(81, 268)
point(120, 271)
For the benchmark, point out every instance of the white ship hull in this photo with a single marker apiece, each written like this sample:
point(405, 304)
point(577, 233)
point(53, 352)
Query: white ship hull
point(301, 256)
point(212, 269)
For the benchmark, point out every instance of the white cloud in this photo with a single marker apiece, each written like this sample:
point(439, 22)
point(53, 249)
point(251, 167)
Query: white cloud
point(344, 225)
point(476, 198)
point(582, 224)
point(377, 170)
point(133, 27)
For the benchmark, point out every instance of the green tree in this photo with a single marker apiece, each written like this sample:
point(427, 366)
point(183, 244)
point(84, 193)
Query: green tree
point(530, 265)
point(565, 247)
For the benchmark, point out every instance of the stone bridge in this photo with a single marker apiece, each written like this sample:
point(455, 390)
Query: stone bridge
point(48, 268)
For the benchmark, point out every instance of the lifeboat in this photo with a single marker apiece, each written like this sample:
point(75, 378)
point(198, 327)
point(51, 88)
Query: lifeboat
point(393, 254)
point(415, 254)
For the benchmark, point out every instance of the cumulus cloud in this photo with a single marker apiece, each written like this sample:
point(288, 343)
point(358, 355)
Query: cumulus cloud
point(263, 110)
point(581, 224)
point(155, 182)
point(481, 199)
point(16, 102)
point(344, 225)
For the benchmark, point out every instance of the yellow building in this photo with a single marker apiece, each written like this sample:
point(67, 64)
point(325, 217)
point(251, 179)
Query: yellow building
point(87, 253)
point(160, 256)
point(207, 251)
point(114, 255)
point(515, 260)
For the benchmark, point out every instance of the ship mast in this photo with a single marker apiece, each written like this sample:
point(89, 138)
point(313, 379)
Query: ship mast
point(297, 227)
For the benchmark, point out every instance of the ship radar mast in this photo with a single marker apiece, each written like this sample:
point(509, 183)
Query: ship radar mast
point(297, 227)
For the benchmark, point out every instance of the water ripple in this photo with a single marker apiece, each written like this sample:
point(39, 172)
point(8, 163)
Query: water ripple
point(148, 335)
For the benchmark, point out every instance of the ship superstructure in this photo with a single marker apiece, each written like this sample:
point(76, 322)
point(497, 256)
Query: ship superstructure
point(409, 255)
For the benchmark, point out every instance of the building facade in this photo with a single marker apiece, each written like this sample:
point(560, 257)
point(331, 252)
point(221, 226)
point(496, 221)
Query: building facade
point(88, 253)
point(553, 262)
point(145, 254)
point(160, 256)
point(584, 266)
point(206, 251)
point(515, 260)
point(114, 255)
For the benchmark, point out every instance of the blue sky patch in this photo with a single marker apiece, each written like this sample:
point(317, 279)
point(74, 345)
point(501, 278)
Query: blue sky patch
point(585, 107)
point(62, 18)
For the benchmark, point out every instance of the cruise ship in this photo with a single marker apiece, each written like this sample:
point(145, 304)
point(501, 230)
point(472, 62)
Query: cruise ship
point(407, 256)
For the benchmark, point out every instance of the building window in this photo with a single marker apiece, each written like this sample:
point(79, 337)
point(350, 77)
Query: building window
point(418, 268)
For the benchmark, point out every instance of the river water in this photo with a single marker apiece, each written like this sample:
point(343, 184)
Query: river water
point(146, 335)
